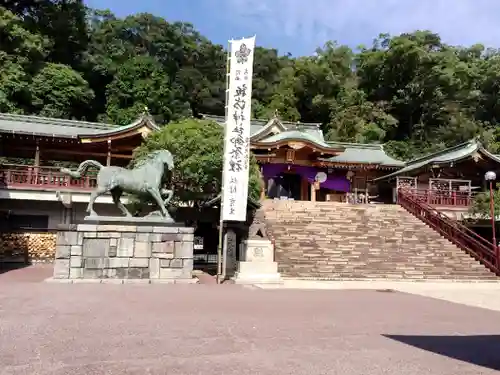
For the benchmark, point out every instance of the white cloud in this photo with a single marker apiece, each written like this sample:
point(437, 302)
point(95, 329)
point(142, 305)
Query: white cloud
point(359, 21)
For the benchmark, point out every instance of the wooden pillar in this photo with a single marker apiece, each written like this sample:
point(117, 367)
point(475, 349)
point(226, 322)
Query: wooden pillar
point(313, 192)
point(263, 190)
point(37, 154)
point(304, 193)
point(108, 159)
point(33, 178)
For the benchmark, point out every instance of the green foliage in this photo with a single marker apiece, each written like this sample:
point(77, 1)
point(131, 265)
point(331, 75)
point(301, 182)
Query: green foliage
point(21, 51)
point(412, 92)
point(197, 146)
point(61, 92)
point(480, 208)
point(355, 119)
point(138, 83)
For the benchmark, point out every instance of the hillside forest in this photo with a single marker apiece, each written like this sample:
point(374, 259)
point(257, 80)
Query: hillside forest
point(411, 91)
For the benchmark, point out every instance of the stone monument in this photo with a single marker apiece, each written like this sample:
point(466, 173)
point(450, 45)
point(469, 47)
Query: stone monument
point(257, 265)
point(125, 248)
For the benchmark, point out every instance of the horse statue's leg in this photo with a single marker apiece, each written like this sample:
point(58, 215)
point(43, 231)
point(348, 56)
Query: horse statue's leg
point(168, 193)
point(93, 196)
point(155, 193)
point(116, 193)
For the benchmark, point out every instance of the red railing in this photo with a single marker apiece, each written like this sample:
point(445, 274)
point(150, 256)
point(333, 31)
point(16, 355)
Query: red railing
point(467, 240)
point(43, 178)
point(449, 198)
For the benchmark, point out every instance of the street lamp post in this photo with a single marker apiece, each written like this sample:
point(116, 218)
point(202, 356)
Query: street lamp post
point(490, 177)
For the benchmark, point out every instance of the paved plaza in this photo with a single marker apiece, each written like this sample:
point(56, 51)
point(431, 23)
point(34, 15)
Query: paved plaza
point(48, 328)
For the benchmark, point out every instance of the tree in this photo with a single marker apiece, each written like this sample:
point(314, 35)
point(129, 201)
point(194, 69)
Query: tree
point(355, 119)
point(63, 22)
point(141, 82)
point(192, 67)
point(21, 51)
point(197, 146)
point(412, 91)
point(29, 84)
point(284, 100)
point(430, 88)
point(480, 208)
point(61, 92)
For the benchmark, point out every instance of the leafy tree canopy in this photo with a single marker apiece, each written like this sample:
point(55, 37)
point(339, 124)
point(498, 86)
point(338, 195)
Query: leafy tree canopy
point(481, 208)
point(197, 146)
point(411, 91)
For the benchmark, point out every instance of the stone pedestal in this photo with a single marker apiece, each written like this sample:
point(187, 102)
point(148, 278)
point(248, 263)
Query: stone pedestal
point(128, 252)
point(257, 265)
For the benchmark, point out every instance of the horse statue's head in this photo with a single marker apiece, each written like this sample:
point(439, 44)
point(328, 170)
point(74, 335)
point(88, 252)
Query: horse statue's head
point(164, 157)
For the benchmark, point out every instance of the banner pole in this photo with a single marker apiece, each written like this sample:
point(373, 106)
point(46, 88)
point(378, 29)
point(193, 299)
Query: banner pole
point(221, 247)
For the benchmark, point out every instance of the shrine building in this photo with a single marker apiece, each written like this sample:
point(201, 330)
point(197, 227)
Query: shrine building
point(448, 179)
point(296, 162)
point(33, 191)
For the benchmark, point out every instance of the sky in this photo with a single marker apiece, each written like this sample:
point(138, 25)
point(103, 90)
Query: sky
point(300, 26)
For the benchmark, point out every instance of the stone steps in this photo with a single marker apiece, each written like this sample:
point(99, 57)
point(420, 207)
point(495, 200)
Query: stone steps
point(339, 241)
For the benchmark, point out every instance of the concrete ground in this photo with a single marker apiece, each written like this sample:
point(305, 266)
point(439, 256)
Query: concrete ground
point(89, 329)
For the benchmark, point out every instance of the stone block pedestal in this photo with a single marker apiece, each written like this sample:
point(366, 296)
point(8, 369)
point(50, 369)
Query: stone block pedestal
point(124, 253)
point(257, 265)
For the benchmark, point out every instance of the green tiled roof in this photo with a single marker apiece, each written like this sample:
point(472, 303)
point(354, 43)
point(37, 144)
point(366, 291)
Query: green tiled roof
point(449, 155)
point(45, 126)
point(354, 152)
point(142, 120)
point(314, 132)
point(296, 135)
point(257, 125)
point(363, 154)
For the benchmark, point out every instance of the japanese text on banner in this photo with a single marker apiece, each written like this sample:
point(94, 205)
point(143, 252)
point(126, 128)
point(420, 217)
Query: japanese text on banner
point(237, 132)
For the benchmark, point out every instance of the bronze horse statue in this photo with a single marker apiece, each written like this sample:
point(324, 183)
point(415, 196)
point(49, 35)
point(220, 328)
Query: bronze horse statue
point(145, 178)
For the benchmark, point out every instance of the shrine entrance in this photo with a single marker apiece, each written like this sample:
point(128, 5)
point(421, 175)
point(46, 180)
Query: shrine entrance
point(297, 182)
point(285, 185)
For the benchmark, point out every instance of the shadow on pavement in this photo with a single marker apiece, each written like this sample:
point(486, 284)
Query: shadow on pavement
point(7, 266)
point(480, 350)
point(25, 273)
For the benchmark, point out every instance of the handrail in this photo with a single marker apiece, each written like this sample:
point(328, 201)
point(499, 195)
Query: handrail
point(455, 223)
point(29, 166)
point(38, 168)
point(452, 198)
point(32, 177)
point(467, 240)
point(450, 221)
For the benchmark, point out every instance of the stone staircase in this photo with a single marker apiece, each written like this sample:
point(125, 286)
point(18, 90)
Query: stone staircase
point(330, 240)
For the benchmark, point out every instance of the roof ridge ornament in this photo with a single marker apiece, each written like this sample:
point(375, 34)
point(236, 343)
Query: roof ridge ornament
point(145, 112)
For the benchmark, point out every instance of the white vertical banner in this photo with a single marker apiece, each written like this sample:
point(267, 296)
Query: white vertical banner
point(235, 174)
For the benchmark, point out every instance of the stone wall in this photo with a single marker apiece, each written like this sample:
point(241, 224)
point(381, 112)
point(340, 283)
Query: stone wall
point(24, 247)
point(124, 252)
point(329, 240)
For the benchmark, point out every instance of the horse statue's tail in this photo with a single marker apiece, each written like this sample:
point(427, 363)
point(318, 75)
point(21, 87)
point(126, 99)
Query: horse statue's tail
point(82, 168)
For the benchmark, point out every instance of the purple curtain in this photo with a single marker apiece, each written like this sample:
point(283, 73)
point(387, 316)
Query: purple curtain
point(339, 183)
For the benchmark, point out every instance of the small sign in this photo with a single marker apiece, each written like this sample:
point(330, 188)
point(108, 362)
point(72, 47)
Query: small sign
point(198, 243)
